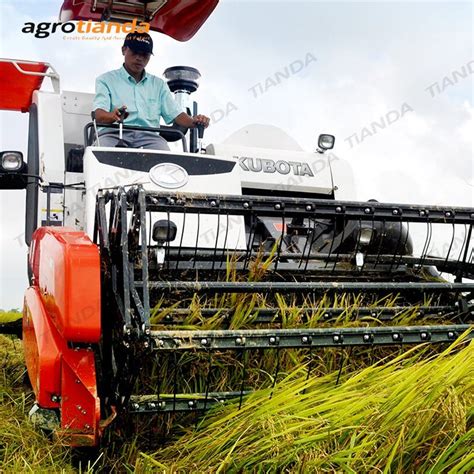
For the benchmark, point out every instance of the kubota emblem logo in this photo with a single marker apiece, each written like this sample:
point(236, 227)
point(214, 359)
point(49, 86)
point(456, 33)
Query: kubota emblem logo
point(169, 175)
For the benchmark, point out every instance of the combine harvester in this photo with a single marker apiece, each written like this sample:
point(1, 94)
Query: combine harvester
point(141, 258)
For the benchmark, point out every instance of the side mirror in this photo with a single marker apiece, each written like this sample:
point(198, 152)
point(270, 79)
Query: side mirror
point(13, 170)
point(325, 142)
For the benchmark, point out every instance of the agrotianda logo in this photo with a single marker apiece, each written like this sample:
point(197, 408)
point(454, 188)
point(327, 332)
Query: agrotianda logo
point(85, 28)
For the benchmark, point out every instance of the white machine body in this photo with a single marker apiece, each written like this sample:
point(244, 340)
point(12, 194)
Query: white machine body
point(166, 171)
point(258, 159)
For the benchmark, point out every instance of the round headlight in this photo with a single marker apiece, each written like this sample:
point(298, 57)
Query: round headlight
point(11, 161)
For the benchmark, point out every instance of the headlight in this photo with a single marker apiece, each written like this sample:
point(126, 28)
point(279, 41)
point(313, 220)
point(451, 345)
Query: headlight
point(164, 231)
point(12, 160)
point(326, 142)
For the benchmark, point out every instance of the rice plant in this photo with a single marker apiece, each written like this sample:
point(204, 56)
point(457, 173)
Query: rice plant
point(408, 414)
point(411, 413)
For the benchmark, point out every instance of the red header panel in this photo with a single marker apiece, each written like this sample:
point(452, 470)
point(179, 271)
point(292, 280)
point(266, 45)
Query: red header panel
point(180, 19)
point(16, 88)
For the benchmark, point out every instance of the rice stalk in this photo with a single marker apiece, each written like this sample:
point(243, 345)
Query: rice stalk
point(409, 414)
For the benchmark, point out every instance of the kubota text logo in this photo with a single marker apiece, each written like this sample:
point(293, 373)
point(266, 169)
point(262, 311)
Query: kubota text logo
point(85, 28)
point(258, 165)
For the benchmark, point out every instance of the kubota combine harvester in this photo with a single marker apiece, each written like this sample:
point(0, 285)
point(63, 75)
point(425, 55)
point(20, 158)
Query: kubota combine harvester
point(198, 261)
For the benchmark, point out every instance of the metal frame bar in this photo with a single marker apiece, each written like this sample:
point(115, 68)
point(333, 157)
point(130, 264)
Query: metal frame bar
point(125, 259)
point(376, 261)
point(148, 404)
point(272, 315)
point(305, 286)
point(320, 208)
point(144, 261)
point(245, 339)
point(317, 267)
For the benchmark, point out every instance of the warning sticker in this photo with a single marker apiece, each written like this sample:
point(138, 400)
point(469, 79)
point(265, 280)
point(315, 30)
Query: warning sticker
point(279, 226)
point(55, 217)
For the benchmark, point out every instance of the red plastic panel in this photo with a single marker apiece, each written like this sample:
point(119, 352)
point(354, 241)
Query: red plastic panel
point(42, 346)
point(80, 406)
point(16, 88)
point(180, 19)
point(66, 267)
point(58, 373)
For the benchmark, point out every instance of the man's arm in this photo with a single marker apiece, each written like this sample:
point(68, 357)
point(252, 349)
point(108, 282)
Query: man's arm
point(186, 120)
point(102, 103)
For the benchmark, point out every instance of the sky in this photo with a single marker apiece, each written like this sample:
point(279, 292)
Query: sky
point(308, 67)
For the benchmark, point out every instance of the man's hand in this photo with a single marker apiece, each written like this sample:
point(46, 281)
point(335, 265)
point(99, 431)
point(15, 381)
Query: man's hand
point(102, 116)
point(185, 120)
point(121, 113)
point(201, 119)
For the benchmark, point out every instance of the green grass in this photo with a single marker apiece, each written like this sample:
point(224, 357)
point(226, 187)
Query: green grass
point(22, 448)
point(9, 316)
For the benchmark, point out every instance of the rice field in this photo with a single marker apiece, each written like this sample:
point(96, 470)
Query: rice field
point(347, 410)
point(410, 413)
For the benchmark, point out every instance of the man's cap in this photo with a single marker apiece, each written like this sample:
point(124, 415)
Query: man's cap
point(139, 42)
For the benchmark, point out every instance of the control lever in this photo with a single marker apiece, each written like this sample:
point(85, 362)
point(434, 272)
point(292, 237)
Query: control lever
point(94, 121)
point(123, 114)
point(200, 127)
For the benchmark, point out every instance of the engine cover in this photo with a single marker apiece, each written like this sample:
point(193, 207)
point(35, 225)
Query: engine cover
point(279, 170)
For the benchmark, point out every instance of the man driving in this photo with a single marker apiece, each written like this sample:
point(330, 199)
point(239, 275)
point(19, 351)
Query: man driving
point(139, 98)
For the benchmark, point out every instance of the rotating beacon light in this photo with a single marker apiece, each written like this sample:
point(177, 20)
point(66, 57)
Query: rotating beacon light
point(182, 81)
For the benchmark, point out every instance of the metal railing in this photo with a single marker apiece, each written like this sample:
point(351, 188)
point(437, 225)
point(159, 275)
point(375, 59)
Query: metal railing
point(89, 136)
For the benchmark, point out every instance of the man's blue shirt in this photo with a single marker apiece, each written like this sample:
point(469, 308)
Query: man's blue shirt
point(146, 101)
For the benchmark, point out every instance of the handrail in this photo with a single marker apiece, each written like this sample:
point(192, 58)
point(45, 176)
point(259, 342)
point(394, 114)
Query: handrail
point(88, 142)
point(53, 75)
